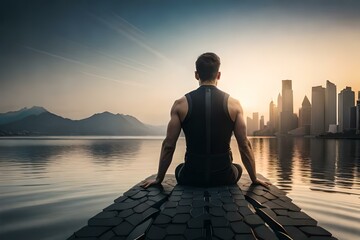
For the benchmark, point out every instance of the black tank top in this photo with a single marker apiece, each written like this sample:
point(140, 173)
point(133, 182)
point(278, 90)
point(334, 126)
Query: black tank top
point(208, 129)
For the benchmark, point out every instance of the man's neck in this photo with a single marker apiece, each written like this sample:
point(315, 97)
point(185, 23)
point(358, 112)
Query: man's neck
point(208, 83)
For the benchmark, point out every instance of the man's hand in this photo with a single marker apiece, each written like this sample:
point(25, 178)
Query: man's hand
point(150, 182)
point(262, 183)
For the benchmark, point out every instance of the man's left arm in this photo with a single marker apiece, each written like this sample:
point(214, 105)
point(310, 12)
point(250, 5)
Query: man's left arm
point(168, 146)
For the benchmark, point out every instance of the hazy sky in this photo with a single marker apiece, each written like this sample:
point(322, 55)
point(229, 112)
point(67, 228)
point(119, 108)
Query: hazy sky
point(76, 58)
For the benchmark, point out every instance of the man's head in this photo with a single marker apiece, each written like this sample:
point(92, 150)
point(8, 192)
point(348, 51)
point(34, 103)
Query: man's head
point(207, 67)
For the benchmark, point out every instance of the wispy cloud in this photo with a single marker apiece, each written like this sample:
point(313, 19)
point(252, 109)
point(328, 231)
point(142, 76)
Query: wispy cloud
point(60, 57)
point(134, 84)
point(132, 33)
point(130, 27)
point(130, 60)
point(122, 61)
point(88, 66)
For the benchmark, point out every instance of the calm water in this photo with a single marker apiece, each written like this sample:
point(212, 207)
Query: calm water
point(50, 187)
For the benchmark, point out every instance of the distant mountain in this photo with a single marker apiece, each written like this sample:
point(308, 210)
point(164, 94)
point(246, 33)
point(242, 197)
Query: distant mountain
point(20, 114)
point(105, 123)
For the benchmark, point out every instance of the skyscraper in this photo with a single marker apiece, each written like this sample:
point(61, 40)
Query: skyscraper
point(287, 96)
point(249, 126)
point(287, 113)
point(358, 114)
point(353, 115)
point(256, 121)
point(330, 104)
point(317, 111)
point(279, 102)
point(262, 124)
point(279, 109)
point(353, 118)
point(305, 113)
point(304, 120)
point(346, 101)
point(252, 124)
point(273, 117)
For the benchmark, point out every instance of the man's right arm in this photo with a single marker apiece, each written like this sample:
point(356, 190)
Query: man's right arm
point(169, 143)
point(246, 152)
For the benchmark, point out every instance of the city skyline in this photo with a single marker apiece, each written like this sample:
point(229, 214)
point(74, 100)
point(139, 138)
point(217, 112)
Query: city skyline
point(138, 57)
point(328, 112)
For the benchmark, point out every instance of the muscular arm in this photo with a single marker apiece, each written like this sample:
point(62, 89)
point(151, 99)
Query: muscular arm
point(247, 155)
point(169, 144)
point(246, 152)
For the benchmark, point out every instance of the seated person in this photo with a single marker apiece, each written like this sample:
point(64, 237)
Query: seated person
point(208, 117)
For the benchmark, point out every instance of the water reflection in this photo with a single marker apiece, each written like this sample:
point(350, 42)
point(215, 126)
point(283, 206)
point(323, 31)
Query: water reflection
point(347, 162)
point(323, 163)
point(106, 151)
point(317, 155)
point(326, 163)
point(40, 155)
point(66, 181)
point(285, 154)
point(303, 158)
point(50, 187)
point(33, 154)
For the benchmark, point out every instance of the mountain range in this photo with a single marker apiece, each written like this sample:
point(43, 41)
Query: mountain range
point(37, 121)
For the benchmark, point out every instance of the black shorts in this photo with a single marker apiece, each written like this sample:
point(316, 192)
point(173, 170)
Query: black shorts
point(228, 176)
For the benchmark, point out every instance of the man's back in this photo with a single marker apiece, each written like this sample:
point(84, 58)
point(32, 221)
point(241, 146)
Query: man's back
point(208, 128)
point(207, 133)
point(207, 125)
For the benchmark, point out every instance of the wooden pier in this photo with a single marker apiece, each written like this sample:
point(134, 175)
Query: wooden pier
point(172, 211)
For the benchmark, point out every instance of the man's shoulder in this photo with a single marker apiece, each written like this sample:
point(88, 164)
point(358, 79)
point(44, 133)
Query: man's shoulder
point(180, 107)
point(234, 106)
point(234, 101)
point(180, 101)
point(180, 104)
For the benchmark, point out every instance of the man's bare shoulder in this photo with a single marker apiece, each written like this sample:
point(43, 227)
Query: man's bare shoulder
point(234, 107)
point(180, 101)
point(234, 102)
point(180, 107)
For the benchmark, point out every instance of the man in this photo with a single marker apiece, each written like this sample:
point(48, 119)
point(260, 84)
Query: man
point(208, 118)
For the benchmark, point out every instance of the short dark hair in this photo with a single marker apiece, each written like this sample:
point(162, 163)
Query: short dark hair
point(207, 66)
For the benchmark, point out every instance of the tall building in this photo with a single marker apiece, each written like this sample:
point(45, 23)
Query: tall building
point(330, 105)
point(305, 113)
point(262, 122)
point(287, 122)
point(287, 96)
point(279, 109)
point(353, 115)
point(249, 126)
point(252, 124)
point(295, 121)
point(353, 118)
point(358, 114)
point(346, 101)
point(256, 121)
point(273, 117)
point(317, 111)
point(304, 119)
point(279, 102)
